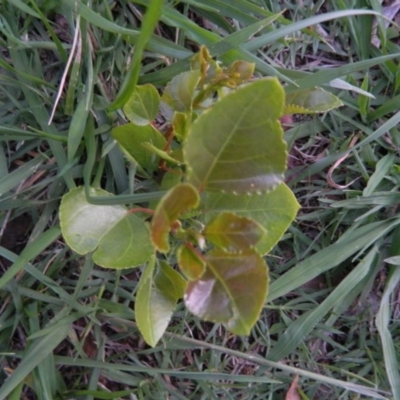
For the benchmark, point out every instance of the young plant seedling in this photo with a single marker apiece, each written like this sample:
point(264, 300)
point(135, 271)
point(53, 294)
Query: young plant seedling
point(222, 158)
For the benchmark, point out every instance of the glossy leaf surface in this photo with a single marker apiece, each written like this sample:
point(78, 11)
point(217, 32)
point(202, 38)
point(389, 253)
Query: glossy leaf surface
point(179, 93)
point(310, 101)
point(274, 211)
point(190, 263)
point(177, 201)
point(131, 137)
point(153, 309)
point(237, 146)
point(233, 233)
point(118, 239)
point(232, 290)
point(142, 107)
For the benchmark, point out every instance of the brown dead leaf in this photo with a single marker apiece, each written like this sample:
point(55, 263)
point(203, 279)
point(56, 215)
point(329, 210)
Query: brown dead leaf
point(293, 393)
point(89, 346)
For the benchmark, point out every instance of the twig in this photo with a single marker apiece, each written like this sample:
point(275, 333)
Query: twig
point(337, 163)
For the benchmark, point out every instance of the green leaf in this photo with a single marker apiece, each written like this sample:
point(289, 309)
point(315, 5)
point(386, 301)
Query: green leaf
point(233, 233)
point(190, 263)
point(83, 225)
point(153, 309)
point(237, 146)
point(131, 137)
point(231, 291)
point(310, 101)
point(161, 153)
point(179, 93)
point(177, 201)
point(169, 180)
point(181, 124)
point(122, 240)
point(142, 107)
point(274, 211)
point(170, 282)
point(127, 244)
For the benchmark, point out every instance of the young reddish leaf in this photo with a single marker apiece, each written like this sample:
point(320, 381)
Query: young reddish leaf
point(131, 137)
point(231, 291)
point(170, 282)
point(127, 244)
point(177, 201)
point(179, 93)
point(310, 101)
point(239, 72)
point(153, 309)
point(237, 145)
point(209, 68)
point(143, 105)
point(190, 263)
point(233, 233)
point(274, 211)
point(122, 240)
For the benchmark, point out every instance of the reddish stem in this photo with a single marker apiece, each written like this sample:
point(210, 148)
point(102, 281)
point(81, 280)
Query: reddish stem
point(141, 209)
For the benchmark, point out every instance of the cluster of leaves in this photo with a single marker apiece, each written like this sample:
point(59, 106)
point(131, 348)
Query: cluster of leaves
point(221, 158)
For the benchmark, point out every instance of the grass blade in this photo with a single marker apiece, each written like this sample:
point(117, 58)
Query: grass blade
point(302, 326)
point(149, 22)
point(329, 257)
point(38, 351)
point(29, 253)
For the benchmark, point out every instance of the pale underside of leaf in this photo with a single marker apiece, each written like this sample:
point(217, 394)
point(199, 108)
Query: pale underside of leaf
point(119, 239)
point(83, 225)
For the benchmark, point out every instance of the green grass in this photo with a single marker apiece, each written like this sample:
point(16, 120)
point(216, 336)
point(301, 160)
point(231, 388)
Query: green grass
point(67, 327)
